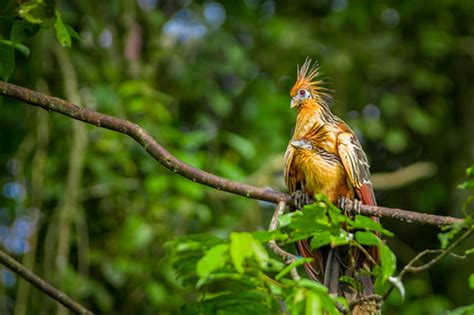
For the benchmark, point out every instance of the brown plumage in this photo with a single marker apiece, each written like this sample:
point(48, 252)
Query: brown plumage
point(325, 156)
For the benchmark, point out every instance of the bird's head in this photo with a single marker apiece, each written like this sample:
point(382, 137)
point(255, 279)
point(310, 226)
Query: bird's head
point(307, 87)
point(303, 144)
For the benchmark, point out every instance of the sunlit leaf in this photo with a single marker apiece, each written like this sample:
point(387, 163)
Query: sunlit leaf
point(388, 262)
point(363, 222)
point(320, 239)
point(313, 304)
point(265, 236)
point(240, 245)
point(367, 238)
point(39, 12)
point(470, 170)
point(313, 285)
point(62, 32)
point(446, 237)
point(294, 264)
point(214, 259)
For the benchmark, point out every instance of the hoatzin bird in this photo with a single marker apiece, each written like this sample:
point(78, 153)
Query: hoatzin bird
point(325, 156)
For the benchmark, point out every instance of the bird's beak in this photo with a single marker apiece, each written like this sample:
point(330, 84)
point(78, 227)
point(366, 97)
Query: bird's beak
point(301, 144)
point(294, 102)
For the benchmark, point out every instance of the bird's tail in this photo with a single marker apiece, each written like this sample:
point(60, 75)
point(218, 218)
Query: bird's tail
point(314, 269)
point(330, 264)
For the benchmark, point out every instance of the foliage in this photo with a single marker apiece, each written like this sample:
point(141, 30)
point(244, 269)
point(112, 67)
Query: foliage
point(31, 15)
point(209, 80)
point(238, 275)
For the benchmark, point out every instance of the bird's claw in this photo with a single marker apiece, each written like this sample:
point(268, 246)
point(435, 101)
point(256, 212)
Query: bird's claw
point(356, 205)
point(341, 203)
point(300, 199)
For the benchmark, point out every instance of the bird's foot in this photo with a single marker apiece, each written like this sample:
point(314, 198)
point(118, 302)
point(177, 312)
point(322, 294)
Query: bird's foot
point(300, 199)
point(354, 206)
point(341, 203)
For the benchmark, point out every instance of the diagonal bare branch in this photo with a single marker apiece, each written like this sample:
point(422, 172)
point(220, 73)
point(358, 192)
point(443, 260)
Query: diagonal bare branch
point(136, 132)
point(29, 276)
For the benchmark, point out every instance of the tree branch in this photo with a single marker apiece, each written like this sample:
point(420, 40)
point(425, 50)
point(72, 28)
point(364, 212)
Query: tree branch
point(29, 276)
point(169, 161)
point(442, 253)
point(272, 244)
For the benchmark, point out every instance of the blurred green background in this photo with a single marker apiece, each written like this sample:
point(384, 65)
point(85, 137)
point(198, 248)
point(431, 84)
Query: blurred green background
point(90, 211)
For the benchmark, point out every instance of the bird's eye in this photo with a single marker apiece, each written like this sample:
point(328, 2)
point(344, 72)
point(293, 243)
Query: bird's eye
point(303, 94)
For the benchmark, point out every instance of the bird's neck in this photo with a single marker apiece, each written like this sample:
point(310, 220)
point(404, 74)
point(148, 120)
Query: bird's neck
point(310, 116)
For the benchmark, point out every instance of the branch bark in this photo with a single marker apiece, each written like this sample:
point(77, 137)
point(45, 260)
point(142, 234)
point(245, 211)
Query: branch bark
point(29, 276)
point(169, 161)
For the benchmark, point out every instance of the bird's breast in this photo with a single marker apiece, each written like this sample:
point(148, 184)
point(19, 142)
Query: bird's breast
point(324, 173)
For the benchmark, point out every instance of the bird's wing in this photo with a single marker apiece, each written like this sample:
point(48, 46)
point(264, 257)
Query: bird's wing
point(356, 165)
point(290, 179)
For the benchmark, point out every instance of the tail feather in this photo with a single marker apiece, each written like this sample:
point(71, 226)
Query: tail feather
point(313, 269)
point(332, 272)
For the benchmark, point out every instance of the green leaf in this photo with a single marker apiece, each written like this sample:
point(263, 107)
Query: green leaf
point(446, 237)
point(287, 218)
point(470, 170)
point(23, 49)
point(20, 47)
point(367, 238)
point(311, 218)
point(265, 236)
point(39, 12)
point(313, 285)
point(294, 264)
point(320, 239)
point(363, 222)
point(22, 30)
point(7, 57)
point(73, 32)
point(62, 33)
point(471, 281)
point(388, 262)
point(240, 243)
point(463, 310)
point(342, 237)
point(214, 259)
point(259, 252)
point(467, 185)
point(313, 303)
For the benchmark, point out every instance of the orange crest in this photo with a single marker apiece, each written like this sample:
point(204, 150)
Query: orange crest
point(307, 78)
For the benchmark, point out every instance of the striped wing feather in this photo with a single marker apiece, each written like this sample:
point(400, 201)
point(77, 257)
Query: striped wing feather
point(356, 165)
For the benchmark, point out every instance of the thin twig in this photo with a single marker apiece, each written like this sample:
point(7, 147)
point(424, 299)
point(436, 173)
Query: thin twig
point(287, 257)
point(29, 276)
point(400, 214)
point(442, 253)
point(440, 256)
point(365, 252)
point(169, 161)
